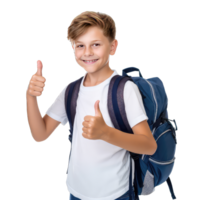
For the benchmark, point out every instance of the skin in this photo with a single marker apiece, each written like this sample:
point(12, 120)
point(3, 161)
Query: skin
point(88, 50)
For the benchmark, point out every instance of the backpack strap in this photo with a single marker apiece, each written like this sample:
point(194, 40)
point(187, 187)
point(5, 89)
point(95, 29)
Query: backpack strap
point(116, 109)
point(71, 96)
point(170, 186)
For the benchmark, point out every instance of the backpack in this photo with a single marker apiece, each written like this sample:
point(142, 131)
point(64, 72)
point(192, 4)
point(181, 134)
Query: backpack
point(150, 170)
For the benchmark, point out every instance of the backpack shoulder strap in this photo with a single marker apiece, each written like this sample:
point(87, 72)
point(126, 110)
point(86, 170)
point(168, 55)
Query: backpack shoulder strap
point(71, 95)
point(116, 109)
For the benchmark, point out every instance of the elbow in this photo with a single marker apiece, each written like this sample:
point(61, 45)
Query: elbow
point(154, 148)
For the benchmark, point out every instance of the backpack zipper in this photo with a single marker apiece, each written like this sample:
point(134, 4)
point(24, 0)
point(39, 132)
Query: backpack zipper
point(156, 108)
point(163, 133)
point(162, 163)
point(154, 99)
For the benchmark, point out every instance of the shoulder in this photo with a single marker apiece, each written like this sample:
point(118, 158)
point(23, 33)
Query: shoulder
point(130, 86)
point(61, 95)
point(131, 91)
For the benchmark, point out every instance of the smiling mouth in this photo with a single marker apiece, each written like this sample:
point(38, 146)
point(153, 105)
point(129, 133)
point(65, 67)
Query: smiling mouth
point(90, 62)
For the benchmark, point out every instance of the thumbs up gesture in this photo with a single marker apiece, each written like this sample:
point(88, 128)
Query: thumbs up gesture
point(94, 127)
point(36, 84)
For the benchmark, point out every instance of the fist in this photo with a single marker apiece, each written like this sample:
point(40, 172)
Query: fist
point(36, 84)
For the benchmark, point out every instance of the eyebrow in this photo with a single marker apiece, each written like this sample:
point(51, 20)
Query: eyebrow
point(91, 41)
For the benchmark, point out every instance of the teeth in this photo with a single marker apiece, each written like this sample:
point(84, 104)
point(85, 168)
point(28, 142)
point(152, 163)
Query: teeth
point(90, 61)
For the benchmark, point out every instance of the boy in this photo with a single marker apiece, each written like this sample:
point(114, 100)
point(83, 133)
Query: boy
point(99, 167)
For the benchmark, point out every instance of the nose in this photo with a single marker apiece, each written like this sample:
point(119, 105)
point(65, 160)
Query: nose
point(88, 51)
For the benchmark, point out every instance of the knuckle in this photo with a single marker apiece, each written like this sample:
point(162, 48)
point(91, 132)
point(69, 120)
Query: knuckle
point(33, 76)
point(45, 80)
point(42, 85)
point(31, 81)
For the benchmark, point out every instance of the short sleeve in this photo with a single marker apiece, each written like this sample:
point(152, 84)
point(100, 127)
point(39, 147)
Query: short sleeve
point(57, 109)
point(134, 106)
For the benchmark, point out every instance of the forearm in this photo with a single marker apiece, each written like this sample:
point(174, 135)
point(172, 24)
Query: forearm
point(139, 144)
point(34, 118)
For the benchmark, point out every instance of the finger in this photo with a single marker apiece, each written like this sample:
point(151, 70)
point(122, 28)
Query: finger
point(38, 78)
point(36, 88)
point(39, 68)
point(37, 83)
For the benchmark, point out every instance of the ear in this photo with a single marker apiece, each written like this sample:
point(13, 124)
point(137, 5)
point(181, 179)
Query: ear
point(113, 47)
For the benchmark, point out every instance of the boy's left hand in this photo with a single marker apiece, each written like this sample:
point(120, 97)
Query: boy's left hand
point(94, 127)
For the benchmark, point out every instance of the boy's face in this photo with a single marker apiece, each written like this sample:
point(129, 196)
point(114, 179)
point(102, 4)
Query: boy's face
point(85, 48)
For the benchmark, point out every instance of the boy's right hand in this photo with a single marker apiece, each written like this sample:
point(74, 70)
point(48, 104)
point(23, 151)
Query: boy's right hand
point(36, 84)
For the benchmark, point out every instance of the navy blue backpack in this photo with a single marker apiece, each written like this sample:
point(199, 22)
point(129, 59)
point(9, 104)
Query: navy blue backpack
point(150, 170)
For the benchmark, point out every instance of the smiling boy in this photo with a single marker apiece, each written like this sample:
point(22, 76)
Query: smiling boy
point(99, 164)
point(93, 49)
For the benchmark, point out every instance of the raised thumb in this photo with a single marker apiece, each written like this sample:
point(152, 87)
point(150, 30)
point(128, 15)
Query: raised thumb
point(97, 109)
point(39, 68)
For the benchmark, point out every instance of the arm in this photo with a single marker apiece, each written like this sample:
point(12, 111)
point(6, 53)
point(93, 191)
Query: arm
point(141, 142)
point(35, 120)
point(41, 127)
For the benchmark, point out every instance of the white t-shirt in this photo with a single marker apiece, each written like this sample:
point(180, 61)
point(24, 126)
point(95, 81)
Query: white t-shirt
point(97, 169)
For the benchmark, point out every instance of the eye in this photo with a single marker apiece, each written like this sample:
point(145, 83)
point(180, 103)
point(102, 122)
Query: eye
point(79, 45)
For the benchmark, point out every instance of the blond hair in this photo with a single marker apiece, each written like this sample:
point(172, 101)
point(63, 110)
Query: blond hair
point(87, 19)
